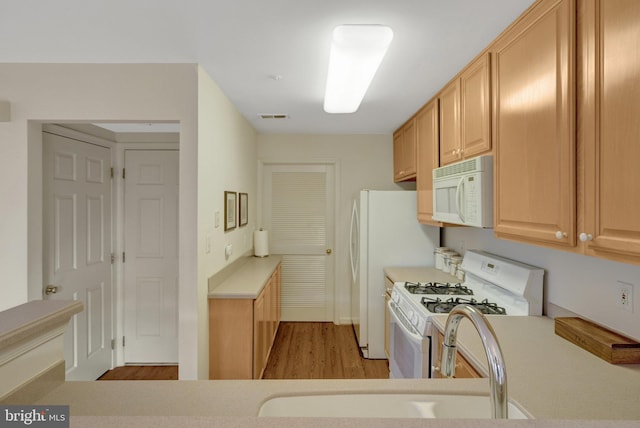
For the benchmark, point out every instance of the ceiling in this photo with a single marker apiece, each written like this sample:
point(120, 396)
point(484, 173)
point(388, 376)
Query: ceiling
point(268, 57)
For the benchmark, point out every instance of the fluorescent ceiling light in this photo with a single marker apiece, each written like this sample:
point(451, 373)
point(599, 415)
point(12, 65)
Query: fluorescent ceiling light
point(356, 54)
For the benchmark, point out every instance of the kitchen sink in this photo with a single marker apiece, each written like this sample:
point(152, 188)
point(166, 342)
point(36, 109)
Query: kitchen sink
point(386, 406)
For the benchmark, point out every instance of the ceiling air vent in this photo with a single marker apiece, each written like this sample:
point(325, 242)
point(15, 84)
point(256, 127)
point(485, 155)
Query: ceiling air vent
point(274, 116)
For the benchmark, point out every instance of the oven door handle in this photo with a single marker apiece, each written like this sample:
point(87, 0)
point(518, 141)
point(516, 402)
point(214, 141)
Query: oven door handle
point(400, 318)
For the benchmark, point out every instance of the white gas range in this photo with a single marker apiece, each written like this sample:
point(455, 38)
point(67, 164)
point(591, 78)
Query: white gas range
point(494, 285)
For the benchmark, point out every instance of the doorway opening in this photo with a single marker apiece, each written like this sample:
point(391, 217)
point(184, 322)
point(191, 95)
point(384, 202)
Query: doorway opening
point(97, 216)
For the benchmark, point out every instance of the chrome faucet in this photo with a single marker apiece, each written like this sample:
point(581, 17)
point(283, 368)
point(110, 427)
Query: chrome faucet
point(497, 370)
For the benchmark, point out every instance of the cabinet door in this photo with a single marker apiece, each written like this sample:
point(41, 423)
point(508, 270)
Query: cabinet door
point(259, 336)
point(611, 130)
point(475, 117)
point(450, 123)
point(273, 310)
point(231, 338)
point(397, 155)
point(534, 127)
point(427, 159)
point(404, 152)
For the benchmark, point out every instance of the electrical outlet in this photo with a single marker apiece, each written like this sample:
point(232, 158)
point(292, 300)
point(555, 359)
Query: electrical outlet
point(625, 296)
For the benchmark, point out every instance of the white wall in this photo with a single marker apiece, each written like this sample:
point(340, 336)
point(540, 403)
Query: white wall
point(581, 284)
point(41, 93)
point(226, 161)
point(362, 162)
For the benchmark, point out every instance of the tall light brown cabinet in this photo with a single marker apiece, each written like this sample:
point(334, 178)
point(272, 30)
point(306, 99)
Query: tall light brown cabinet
point(427, 159)
point(566, 128)
point(534, 126)
point(609, 130)
point(465, 113)
point(555, 98)
point(404, 152)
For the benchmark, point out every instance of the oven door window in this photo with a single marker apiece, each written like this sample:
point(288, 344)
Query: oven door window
point(410, 352)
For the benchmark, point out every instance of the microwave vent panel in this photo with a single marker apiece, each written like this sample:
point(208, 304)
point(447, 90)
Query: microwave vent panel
point(470, 165)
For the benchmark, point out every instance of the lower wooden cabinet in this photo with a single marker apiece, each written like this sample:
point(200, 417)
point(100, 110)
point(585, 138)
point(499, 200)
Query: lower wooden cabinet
point(242, 331)
point(463, 368)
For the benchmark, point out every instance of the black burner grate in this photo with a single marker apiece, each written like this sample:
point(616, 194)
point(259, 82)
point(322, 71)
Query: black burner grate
point(440, 306)
point(437, 288)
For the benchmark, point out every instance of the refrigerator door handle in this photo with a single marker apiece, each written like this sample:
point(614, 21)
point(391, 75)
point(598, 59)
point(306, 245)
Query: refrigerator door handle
point(355, 225)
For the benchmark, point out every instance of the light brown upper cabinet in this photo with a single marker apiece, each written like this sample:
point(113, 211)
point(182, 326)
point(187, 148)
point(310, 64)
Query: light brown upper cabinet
point(404, 152)
point(609, 112)
point(449, 99)
point(465, 113)
point(427, 159)
point(534, 102)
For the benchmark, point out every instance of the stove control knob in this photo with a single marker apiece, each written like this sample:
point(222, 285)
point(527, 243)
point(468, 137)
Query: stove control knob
point(414, 319)
point(584, 237)
point(395, 297)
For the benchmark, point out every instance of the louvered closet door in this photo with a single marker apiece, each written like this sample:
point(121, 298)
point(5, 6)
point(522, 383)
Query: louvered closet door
point(298, 212)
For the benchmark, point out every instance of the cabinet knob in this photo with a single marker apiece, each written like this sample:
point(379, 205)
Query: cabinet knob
point(560, 234)
point(329, 251)
point(584, 237)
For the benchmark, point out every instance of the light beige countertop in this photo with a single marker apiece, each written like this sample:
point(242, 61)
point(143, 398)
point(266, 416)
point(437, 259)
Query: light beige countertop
point(550, 376)
point(32, 318)
point(247, 280)
point(235, 404)
point(418, 274)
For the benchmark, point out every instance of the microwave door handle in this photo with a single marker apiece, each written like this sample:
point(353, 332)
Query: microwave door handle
point(459, 191)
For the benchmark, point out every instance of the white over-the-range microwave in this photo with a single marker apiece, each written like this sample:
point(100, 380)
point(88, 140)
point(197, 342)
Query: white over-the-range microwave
point(463, 192)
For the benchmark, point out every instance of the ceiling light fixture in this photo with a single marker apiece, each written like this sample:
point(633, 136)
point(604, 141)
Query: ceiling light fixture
point(356, 54)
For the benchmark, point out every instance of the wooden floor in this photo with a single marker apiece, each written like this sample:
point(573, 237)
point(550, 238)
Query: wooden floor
point(302, 350)
point(142, 373)
point(311, 350)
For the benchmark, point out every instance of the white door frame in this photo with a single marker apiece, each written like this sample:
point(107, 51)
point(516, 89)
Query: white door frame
point(337, 253)
point(117, 229)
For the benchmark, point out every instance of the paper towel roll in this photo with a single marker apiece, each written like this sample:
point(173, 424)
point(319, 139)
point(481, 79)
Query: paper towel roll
point(261, 243)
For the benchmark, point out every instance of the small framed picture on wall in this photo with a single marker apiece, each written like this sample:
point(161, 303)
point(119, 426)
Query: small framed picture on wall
point(230, 215)
point(244, 209)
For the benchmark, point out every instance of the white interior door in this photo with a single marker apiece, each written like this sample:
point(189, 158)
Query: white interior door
point(298, 211)
point(77, 248)
point(151, 256)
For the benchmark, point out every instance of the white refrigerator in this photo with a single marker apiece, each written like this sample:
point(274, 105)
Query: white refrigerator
point(384, 232)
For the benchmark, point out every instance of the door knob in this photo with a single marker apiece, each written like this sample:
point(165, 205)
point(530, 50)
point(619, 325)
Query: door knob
point(328, 250)
point(51, 289)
